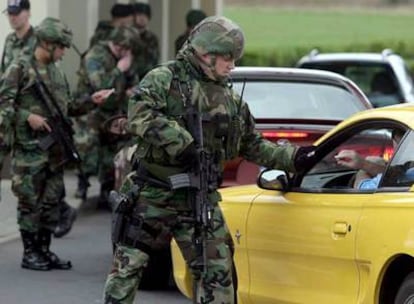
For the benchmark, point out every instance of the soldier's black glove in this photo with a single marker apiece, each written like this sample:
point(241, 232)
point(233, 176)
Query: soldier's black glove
point(303, 157)
point(188, 156)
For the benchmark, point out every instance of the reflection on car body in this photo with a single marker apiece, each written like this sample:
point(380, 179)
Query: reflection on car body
point(313, 238)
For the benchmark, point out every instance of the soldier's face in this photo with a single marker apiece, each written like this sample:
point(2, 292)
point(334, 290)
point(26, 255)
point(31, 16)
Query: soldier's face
point(224, 65)
point(19, 21)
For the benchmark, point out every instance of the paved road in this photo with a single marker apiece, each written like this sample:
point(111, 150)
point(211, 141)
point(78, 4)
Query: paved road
point(88, 247)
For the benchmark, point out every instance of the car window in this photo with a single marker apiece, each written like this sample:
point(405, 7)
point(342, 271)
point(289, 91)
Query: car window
point(267, 99)
point(376, 80)
point(374, 142)
point(401, 169)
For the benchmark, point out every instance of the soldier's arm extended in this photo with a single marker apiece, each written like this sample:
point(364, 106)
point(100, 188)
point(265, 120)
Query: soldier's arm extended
point(146, 114)
point(261, 151)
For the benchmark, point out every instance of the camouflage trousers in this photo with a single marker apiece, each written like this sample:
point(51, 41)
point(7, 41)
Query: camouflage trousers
point(38, 191)
point(158, 212)
point(87, 143)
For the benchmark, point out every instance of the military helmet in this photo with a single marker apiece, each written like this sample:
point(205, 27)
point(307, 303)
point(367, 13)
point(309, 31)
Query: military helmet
point(55, 31)
point(217, 35)
point(125, 36)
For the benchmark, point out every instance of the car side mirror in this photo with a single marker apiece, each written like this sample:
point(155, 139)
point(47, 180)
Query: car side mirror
point(273, 180)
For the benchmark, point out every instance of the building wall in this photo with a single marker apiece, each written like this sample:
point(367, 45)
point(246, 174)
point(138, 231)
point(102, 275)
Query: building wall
point(168, 21)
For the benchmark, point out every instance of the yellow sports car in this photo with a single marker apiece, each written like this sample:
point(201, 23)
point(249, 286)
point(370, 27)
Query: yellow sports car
point(326, 235)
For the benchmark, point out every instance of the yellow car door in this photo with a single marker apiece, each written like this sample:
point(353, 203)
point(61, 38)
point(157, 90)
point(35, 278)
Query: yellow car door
point(301, 247)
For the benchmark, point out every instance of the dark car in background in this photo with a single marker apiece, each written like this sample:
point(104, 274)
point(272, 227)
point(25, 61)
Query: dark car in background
point(297, 105)
point(384, 77)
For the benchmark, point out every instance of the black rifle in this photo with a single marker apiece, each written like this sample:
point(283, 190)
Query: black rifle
point(201, 180)
point(62, 130)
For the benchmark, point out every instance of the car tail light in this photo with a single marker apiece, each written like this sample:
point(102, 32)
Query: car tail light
point(287, 135)
point(388, 152)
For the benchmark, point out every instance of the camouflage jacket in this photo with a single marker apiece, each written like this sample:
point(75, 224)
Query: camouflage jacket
point(148, 54)
point(14, 45)
point(99, 71)
point(156, 115)
point(18, 99)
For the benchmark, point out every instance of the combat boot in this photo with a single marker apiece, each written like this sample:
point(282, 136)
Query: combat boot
point(44, 240)
point(67, 216)
point(32, 258)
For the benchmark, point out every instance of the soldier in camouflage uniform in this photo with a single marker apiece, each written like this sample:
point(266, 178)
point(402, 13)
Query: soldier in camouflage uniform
point(198, 78)
point(108, 64)
point(38, 174)
point(18, 13)
point(85, 136)
point(149, 54)
point(23, 39)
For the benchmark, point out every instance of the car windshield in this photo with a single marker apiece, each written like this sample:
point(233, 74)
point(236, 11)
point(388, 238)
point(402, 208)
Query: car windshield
point(298, 100)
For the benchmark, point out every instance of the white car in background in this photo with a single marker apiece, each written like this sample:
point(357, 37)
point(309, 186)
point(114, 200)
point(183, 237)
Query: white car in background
point(384, 77)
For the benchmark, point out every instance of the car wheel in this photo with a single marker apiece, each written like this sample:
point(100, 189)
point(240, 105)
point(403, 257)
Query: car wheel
point(158, 274)
point(405, 294)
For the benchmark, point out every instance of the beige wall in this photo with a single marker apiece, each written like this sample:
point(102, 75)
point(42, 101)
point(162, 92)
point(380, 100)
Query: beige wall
point(168, 21)
point(39, 10)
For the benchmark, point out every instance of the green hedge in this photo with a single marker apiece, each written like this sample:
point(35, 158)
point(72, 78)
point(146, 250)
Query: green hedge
point(289, 57)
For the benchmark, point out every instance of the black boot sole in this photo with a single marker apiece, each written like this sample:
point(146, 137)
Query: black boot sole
point(31, 267)
point(66, 266)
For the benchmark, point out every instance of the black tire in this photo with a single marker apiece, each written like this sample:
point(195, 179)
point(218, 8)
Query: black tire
point(158, 275)
point(405, 294)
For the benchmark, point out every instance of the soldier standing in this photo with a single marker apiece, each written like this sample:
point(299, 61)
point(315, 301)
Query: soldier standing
point(108, 64)
point(85, 137)
point(149, 54)
point(157, 114)
point(38, 172)
point(23, 39)
point(18, 13)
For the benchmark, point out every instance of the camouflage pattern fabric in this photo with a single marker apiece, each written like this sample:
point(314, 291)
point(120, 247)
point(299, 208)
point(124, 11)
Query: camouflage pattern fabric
point(217, 35)
point(55, 31)
point(156, 115)
point(86, 141)
point(99, 71)
point(161, 216)
point(38, 179)
point(149, 53)
point(13, 46)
